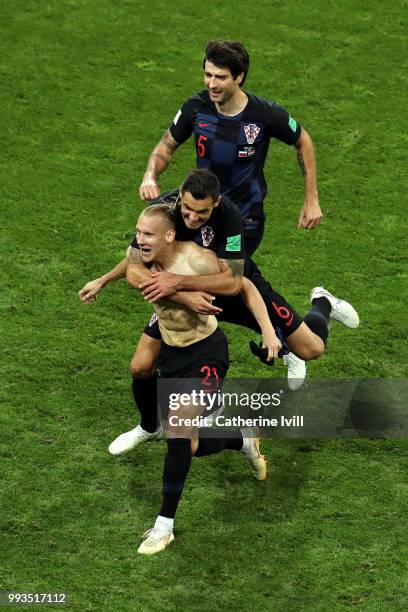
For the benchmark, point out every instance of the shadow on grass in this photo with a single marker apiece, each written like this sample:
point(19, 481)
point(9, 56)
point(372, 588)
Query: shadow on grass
point(273, 500)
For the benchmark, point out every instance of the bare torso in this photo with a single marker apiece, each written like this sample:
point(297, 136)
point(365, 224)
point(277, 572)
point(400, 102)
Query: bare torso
point(179, 325)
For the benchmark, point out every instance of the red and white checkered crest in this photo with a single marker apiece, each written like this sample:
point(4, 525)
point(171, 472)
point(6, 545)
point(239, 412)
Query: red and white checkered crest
point(251, 132)
point(207, 234)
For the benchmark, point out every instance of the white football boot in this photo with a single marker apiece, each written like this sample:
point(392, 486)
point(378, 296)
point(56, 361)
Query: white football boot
point(296, 371)
point(130, 439)
point(341, 310)
point(250, 450)
point(155, 540)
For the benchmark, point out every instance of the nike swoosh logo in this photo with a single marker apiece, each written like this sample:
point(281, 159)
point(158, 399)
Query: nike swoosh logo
point(203, 124)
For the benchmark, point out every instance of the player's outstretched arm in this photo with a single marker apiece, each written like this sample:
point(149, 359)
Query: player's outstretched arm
point(256, 305)
point(311, 214)
point(157, 163)
point(90, 291)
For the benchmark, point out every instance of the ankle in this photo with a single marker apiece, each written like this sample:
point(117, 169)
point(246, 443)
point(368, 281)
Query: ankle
point(164, 523)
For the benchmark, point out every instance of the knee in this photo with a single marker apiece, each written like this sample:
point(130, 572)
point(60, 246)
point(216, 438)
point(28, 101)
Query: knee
point(305, 343)
point(311, 351)
point(174, 431)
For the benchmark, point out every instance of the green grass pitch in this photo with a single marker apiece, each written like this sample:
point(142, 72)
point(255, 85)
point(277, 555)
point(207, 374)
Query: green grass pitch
point(87, 89)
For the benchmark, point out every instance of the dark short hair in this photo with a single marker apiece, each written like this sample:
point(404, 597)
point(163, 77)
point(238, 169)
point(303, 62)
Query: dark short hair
point(201, 184)
point(228, 54)
point(167, 211)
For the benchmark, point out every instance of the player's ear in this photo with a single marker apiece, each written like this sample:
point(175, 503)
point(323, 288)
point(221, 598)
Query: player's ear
point(240, 78)
point(217, 201)
point(170, 236)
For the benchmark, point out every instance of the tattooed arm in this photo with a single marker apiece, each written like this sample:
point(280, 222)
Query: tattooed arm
point(227, 282)
point(137, 273)
point(157, 163)
point(310, 215)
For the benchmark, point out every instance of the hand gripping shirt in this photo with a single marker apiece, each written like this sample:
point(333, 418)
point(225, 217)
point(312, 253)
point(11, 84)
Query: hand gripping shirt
point(235, 148)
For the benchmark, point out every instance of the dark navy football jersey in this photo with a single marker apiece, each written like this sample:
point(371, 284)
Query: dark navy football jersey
point(222, 232)
point(235, 148)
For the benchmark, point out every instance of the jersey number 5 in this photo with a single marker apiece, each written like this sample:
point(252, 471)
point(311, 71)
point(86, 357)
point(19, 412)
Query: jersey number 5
point(200, 145)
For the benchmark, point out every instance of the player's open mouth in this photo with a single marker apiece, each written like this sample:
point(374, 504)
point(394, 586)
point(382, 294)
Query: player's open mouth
point(145, 251)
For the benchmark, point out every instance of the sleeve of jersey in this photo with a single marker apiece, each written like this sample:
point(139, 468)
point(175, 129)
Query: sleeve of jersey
point(231, 245)
point(181, 127)
point(281, 125)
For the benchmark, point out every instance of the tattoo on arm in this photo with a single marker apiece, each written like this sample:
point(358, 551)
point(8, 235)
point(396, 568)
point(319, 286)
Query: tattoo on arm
point(301, 163)
point(169, 141)
point(133, 256)
point(235, 265)
point(163, 158)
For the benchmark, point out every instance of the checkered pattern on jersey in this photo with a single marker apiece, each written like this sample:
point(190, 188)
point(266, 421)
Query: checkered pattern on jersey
point(222, 147)
point(235, 148)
